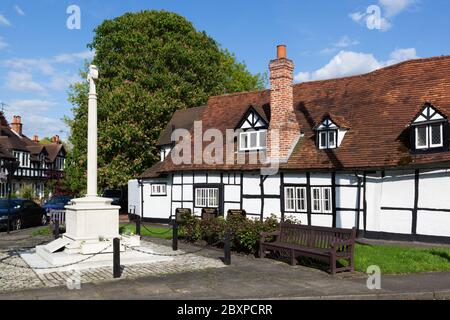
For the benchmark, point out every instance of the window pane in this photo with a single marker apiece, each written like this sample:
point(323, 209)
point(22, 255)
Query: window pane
point(436, 137)
point(263, 139)
point(316, 199)
point(331, 139)
point(244, 140)
point(421, 138)
point(253, 140)
point(327, 199)
point(323, 139)
point(289, 199)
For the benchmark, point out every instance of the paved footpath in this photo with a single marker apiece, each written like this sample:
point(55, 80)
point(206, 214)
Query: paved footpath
point(249, 278)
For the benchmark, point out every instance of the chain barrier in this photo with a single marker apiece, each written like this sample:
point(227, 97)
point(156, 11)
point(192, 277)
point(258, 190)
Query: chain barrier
point(49, 268)
point(156, 233)
point(174, 255)
point(20, 239)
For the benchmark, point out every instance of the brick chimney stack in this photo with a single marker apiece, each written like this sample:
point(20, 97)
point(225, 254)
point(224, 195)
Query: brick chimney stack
point(282, 116)
point(16, 125)
point(36, 138)
point(56, 139)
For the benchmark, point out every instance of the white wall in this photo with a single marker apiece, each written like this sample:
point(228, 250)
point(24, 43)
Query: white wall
point(134, 197)
point(157, 207)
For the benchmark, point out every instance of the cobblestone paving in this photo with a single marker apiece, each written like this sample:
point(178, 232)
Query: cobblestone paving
point(15, 278)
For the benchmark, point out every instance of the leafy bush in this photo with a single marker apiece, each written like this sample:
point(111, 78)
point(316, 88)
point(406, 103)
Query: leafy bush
point(245, 233)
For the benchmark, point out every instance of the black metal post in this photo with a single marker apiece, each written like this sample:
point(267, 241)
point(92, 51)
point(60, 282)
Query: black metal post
point(138, 225)
point(116, 258)
point(227, 249)
point(175, 236)
point(9, 205)
point(56, 231)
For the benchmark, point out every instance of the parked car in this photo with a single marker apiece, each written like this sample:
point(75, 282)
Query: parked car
point(57, 203)
point(23, 213)
point(119, 197)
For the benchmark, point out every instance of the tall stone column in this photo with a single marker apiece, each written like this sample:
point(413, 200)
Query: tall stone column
point(92, 133)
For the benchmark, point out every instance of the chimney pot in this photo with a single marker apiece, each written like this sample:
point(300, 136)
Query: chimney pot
point(16, 125)
point(281, 51)
point(36, 138)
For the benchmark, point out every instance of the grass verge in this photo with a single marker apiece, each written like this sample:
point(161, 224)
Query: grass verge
point(162, 233)
point(400, 260)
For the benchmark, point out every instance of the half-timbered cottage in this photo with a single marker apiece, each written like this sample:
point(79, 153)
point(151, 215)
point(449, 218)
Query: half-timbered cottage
point(37, 163)
point(370, 151)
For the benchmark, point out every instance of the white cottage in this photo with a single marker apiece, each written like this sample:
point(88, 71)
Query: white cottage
point(370, 151)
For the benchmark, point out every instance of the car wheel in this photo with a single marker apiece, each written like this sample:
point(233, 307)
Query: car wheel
point(17, 224)
point(44, 220)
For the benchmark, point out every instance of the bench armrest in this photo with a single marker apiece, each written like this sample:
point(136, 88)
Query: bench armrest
point(264, 235)
point(350, 242)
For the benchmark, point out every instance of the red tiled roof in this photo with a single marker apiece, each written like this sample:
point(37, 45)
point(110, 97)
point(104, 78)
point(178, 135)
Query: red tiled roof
point(377, 107)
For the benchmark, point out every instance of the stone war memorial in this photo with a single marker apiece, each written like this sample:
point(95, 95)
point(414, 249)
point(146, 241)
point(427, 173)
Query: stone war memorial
point(92, 222)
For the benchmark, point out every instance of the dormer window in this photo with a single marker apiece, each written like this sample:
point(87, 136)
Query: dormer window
point(329, 133)
point(253, 140)
point(253, 131)
point(327, 139)
point(428, 129)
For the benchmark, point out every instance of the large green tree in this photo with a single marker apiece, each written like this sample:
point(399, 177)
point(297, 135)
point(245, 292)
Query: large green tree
point(151, 63)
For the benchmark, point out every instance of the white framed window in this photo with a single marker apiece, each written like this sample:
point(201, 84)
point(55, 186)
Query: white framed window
point(159, 189)
point(253, 140)
point(429, 136)
point(295, 199)
point(207, 197)
point(321, 200)
point(327, 139)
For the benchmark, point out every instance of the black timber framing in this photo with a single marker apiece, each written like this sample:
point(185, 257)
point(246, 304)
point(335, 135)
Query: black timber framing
point(406, 237)
point(364, 204)
point(261, 185)
point(333, 197)
point(416, 202)
point(242, 190)
point(308, 194)
point(282, 200)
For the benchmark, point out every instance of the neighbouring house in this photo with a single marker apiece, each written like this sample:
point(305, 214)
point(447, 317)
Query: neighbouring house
point(368, 151)
point(38, 163)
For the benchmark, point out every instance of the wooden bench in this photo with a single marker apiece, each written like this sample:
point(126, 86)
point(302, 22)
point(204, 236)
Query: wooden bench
point(324, 244)
point(209, 213)
point(234, 212)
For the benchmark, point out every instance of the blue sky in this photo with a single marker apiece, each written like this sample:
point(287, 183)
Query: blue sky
point(40, 56)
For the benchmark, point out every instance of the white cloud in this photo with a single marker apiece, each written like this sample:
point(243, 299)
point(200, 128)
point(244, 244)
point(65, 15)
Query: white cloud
point(22, 81)
point(4, 21)
point(38, 124)
point(394, 7)
point(3, 44)
point(374, 13)
point(73, 57)
point(56, 77)
point(22, 106)
point(356, 16)
point(62, 81)
point(19, 10)
point(343, 42)
point(400, 55)
point(348, 63)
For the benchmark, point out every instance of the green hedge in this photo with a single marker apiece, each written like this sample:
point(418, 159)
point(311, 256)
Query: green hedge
point(245, 233)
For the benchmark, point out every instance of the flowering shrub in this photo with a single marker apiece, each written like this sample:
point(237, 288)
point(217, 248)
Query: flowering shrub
point(245, 233)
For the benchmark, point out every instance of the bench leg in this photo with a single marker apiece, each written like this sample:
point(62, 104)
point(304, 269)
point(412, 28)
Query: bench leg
point(293, 262)
point(261, 251)
point(333, 264)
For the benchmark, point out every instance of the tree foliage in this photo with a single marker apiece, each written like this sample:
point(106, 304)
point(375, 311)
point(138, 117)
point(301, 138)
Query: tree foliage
point(151, 64)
